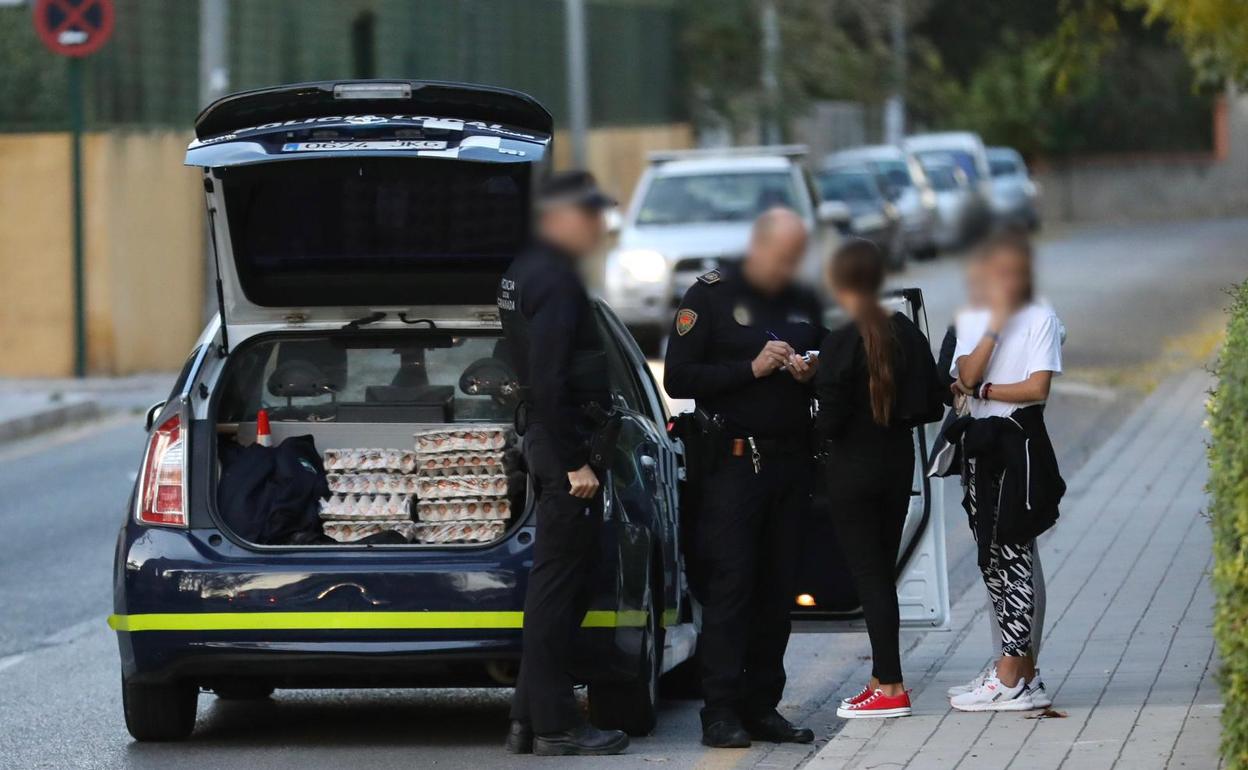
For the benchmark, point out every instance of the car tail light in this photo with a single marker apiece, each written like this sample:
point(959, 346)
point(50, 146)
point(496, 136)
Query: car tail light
point(162, 494)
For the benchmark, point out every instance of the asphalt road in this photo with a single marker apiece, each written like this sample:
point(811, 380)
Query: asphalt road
point(1134, 299)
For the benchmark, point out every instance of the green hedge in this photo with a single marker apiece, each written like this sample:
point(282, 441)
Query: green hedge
point(1228, 487)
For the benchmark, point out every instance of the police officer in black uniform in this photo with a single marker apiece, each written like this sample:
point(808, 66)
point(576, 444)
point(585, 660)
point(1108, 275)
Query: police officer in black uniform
point(558, 355)
point(738, 348)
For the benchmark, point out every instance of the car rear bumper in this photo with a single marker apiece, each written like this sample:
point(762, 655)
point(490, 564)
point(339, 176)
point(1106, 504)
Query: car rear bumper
point(191, 605)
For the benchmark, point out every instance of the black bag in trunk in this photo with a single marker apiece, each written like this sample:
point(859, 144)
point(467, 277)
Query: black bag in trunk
point(271, 495)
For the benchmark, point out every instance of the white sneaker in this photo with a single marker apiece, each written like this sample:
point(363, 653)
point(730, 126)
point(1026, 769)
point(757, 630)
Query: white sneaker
point(992, 695)
point(974, 684)
point(1039, 696)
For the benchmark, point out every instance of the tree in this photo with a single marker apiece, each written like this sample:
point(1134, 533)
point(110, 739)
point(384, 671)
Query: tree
point(1213, 33)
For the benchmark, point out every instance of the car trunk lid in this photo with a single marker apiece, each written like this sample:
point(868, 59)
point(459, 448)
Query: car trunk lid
point(341, 202)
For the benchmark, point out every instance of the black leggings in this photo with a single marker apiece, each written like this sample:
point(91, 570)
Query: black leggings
point(868, 525)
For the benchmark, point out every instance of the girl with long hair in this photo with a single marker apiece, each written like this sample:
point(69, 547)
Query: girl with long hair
point(876, 382)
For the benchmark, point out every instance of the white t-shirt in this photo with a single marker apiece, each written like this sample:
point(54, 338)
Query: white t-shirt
point(1031, 342)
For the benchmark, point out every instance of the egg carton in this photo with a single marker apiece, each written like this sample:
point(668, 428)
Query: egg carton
point(462, 510)
point(483, 438)
point(459, 532)
point(394, 460)
point(459, 463)
point(366, 507)
point(371, 483)
point(443, 487)
point(351, 531)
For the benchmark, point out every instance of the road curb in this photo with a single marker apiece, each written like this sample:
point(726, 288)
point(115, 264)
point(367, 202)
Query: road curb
point(54, 416)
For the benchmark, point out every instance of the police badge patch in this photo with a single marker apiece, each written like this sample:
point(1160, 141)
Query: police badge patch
point(685, 320)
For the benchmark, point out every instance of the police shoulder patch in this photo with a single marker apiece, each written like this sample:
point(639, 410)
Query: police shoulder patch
point(685, 320)
point(711, 278)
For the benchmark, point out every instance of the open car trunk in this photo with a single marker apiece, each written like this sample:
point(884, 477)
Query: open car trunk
point(413, 429)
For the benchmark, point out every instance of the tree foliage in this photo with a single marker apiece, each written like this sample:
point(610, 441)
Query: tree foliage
point(1214, 33)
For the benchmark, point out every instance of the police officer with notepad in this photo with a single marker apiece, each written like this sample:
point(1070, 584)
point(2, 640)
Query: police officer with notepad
point(557, 352)
point(738, 347)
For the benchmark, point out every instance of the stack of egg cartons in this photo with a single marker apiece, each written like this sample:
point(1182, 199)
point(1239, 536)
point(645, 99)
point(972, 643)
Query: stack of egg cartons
point(461, 485)
point(372, 492)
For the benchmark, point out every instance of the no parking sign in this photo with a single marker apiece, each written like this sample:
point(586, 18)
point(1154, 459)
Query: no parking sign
point(74, 27)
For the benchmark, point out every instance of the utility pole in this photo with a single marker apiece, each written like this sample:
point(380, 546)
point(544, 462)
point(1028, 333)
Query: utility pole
point(770, 25)
point(578, 80)
point(895, 107)
point(214, 82)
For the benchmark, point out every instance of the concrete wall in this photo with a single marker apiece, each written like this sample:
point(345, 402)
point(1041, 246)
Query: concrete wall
point(1155, 186)
point(143, 233)
point(144, 237)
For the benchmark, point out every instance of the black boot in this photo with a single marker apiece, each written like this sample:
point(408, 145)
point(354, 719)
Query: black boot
point(583, 741)
point(725, 734)
point(519, 738)
point(775, 728)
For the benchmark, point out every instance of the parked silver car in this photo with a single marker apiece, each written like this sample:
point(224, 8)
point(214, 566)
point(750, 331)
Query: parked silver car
point(905, 183)
point(693, 210)
point(957, 205)
point(1014, 194)
point(872, 215)
point(965, 150)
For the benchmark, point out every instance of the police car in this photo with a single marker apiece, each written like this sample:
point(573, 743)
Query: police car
point(360, 229)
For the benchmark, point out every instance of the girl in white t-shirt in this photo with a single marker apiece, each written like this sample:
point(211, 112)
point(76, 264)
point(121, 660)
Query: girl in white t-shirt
point(1006, 357)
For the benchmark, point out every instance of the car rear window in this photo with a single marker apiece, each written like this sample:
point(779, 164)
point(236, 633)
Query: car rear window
point(416, 377)
point(847, 186)
point(323, 231)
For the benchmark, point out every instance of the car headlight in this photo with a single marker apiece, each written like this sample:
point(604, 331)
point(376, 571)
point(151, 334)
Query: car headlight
point(643, 265)
point(928, 199)
point(864, 222)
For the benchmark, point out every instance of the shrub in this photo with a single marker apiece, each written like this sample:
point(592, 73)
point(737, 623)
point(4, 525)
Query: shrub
point(1228, 488)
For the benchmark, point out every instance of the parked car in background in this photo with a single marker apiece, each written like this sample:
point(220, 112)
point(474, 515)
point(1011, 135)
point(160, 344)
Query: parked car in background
point(903, 181)
point(957, 205)
point(871, 214)
point(1014, 194)
point(966, 150)
point(691, 211)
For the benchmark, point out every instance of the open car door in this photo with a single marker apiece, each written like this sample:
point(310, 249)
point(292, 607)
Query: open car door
point(826, 599)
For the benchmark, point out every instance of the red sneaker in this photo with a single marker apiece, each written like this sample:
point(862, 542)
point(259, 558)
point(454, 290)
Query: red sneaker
point(862, 695)
point(877, 705)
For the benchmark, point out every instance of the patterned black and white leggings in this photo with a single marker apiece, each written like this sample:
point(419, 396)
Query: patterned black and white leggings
point(1010, 579)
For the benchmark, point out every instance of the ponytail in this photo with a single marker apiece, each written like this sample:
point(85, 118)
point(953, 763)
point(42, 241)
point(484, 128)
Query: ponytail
point(858, 267)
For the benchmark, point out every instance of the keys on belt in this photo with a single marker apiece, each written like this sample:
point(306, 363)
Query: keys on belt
point(738, 450)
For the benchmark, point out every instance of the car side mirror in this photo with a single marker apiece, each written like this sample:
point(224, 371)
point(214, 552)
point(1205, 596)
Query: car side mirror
point(613, 220)
point(152, 412)
point(835, 213)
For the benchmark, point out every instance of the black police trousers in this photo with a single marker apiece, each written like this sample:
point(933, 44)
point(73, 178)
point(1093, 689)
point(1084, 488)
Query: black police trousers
point(559, 590)
point(746, 549)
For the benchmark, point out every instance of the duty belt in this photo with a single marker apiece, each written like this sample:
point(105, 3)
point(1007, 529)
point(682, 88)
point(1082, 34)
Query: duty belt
point(756, 448)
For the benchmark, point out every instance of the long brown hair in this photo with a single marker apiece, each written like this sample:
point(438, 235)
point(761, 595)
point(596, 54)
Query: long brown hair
point(858, 267)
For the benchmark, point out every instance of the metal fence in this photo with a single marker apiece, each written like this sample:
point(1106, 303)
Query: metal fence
point(148, 74)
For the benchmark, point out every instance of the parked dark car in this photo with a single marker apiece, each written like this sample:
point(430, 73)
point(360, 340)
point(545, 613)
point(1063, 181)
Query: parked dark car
point(360, 229)
point(872, 215)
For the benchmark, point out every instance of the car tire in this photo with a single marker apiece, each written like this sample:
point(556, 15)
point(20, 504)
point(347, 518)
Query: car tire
point(634, 706)
point(684, 682)
point(243, 691)
point(159, 712)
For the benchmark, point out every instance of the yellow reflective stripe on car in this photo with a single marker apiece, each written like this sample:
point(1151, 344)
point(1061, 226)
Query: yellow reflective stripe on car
point(272, 621)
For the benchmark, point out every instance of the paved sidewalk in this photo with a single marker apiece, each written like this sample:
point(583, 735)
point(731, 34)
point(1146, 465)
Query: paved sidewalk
point(1128, 649)
point(31, 406)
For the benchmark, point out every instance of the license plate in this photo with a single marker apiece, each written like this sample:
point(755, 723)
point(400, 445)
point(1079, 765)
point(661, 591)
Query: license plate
point(394, 144)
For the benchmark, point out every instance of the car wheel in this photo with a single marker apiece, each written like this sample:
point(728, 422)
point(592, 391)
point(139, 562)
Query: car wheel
point(685, 681)
point(243, 691)
point(159, 712)
point(633, 706)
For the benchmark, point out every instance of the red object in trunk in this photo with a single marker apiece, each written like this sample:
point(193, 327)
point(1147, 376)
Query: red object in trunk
point(264, 436)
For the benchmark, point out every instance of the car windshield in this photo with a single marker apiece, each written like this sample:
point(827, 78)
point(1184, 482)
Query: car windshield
point(423, 377)
point(846, 186)
point(942, 178)
point(726, 197)
point(960, 158)
point(896, 172)
point(1003, 166)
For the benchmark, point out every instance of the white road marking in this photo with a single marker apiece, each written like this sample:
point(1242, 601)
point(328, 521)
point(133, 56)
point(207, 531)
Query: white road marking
point(11, 661)
point(1083, 390)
